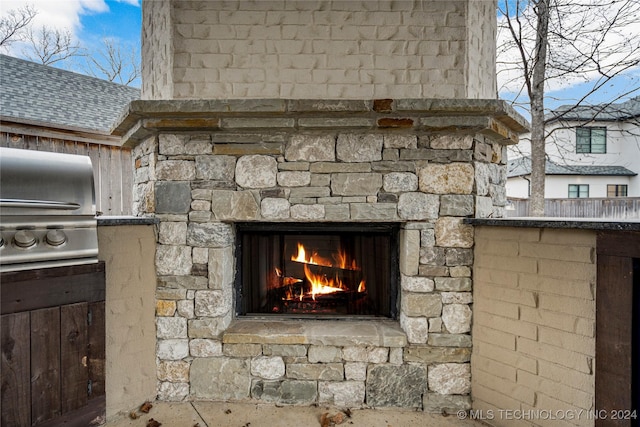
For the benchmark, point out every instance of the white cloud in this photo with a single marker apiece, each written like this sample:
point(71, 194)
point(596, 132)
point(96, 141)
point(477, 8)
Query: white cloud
point(63, 14)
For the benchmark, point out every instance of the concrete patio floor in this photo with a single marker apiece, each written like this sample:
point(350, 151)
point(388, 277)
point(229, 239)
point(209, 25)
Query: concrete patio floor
point(218, 414)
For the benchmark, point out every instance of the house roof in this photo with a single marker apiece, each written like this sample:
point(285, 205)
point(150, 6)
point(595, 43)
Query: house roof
point(36, 94)
point(522, 167)
point(627, 110)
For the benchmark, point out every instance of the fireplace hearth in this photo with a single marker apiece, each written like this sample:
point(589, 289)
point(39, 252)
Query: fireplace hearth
point(317, 270)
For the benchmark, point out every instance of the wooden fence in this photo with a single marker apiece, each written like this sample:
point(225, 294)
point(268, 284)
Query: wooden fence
point(618, 208)
point(112, 167)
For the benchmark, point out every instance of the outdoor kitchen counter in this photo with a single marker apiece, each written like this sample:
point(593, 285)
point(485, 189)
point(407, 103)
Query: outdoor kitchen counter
point(126, 220)
point(569, 223)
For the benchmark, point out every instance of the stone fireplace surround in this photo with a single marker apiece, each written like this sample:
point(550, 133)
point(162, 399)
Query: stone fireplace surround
point(424, 164)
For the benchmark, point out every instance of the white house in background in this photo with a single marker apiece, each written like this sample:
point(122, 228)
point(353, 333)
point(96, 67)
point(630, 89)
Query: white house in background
point(592, 151)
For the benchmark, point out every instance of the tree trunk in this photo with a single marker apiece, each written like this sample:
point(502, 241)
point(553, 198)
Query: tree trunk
point(536, 96)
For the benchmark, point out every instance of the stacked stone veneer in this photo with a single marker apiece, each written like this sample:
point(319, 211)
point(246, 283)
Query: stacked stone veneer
point(203, 165)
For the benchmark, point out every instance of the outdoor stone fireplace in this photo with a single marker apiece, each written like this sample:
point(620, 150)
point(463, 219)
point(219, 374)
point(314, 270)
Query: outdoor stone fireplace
point(234, 182)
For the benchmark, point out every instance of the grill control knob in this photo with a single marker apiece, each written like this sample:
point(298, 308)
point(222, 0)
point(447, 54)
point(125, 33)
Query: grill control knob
point(55, 237)
point(24, 239)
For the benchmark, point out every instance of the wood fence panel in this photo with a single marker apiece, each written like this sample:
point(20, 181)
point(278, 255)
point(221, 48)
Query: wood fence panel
point(15, 373)
point(45, 364)
point(619, 208)
point(97, 349)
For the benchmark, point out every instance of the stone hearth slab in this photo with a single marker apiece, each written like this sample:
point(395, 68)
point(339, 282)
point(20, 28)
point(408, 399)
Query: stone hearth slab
point(316, 332)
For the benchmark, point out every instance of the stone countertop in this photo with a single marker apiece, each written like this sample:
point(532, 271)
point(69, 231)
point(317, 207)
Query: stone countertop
point(125, 220)
point(569, 223)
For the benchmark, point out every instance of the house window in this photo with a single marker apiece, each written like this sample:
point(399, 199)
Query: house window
point(591, 140)
point(578, 191)
point(616, 190)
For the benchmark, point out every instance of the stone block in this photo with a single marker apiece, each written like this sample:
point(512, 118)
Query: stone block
point(242, 350)
point(199, 255)
point(429, 355)
point(171, 327)
point(185, 309)
point(200, 216)
point(449, 340)
point(235, 205)
point(173, 371)
point(450, 378)
point(173, 392)
point(398, 182)
point(307, 212)
point(445, 403)
point(456, 284)
point(200, 347)
point(337, 212)
point(416, 328)
point(220, 378)
point(452, 142)
point(400, 141)
point(456, 297)
point(268, 367)
point(275, 208)
point(311, 148)
point(403, 386)
point(458, 256)
point(256, 171)
point(418, 206)
point(292, 350)
point(294, 178)
point(216, 168)
point(483, 180)
point(324, 354)
point(456, 318)
point(416, 284)
point(172, 233)
point(355, 148)
point(346, 393)
point(184, 282)
point(172, 197)
point(222, 268)
point(435, 324)
point(165, 308)
point(373, 211)
point(175, 170)
point(453, 178)
point(456, 205)
point(451, 232)
point(172, 349)
point(173, 260)
point(212, 303)
point(170, 144)
point(326, 167)
point(484, 207)
point(209, 235)
point(316, 371)
point(396, 356)
point(356, 184)
point(355, 371)
point(409, 252)
point(306, 192)
point(288, 392)
point(418, 304)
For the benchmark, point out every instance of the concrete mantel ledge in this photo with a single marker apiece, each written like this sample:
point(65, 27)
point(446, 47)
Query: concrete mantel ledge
point(492, 117)
point(380, 333)
point(568, 223)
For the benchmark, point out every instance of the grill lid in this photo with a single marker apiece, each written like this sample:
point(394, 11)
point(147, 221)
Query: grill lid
point(44, 183)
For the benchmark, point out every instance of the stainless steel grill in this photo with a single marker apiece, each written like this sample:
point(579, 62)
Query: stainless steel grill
point(47, 210)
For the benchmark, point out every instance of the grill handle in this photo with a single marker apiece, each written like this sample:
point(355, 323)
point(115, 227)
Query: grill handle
point(38, 204)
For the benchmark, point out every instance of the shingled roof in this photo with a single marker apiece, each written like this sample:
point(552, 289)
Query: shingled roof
point(522, 167)
point(622, 111)
point(36, 94)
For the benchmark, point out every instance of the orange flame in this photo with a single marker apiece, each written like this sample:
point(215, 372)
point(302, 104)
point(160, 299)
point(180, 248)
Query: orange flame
point(321, 284)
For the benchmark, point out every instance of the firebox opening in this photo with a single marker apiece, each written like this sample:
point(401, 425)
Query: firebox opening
point(320, 270)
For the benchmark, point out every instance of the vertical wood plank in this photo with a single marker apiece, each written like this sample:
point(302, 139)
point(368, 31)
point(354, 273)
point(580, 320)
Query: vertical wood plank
point(614, 302)
point(97, 350)
point(73, 356)
point(127, 181)
point(45, 364)
point(115, 197)
point(15, 399)
point(106, 173)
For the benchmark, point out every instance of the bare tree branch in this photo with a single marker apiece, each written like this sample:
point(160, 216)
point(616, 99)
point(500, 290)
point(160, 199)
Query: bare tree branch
point(48, 46)
point(13, 24)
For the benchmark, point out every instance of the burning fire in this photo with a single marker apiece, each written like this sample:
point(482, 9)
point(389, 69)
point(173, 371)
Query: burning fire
point(320, 282)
